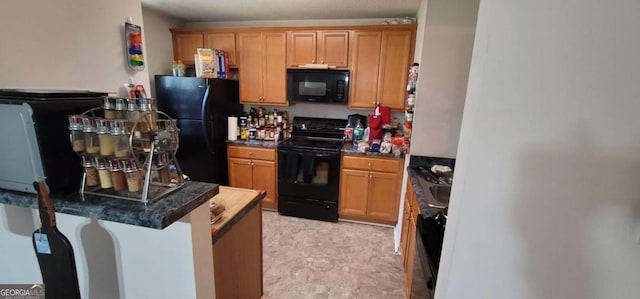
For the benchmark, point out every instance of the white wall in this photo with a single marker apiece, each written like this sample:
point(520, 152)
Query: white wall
point(545, 200)
point(66, 44)
point(444, 60)
point(275, 23)
point(158, 42)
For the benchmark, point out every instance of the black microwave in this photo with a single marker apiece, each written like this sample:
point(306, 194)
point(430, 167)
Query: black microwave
point(318, 85)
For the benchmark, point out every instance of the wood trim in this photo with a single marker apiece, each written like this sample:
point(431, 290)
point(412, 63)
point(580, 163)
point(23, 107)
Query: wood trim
point(389, 27)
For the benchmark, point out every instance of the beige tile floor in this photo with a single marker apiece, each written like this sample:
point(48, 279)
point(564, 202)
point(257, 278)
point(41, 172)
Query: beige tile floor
point(314, 259)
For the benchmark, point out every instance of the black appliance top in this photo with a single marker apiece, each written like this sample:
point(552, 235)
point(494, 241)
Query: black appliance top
point(310, 133)
point(46, 94)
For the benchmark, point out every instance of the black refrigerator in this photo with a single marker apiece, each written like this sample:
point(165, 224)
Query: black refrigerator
point(201, 107)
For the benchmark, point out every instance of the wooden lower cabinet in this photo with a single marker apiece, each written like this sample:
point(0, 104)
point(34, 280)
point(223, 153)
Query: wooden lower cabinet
point(370, 189)
point(408, 235)
point(254, 168)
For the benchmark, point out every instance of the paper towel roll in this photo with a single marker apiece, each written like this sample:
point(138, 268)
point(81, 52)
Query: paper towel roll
point(232, 128)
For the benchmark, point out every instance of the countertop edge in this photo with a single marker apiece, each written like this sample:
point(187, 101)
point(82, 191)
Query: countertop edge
point(155, 215)
point(237, 217)
point(425, 210)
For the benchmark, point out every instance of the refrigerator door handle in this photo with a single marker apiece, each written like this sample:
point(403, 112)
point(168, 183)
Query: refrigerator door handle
point(207, 129)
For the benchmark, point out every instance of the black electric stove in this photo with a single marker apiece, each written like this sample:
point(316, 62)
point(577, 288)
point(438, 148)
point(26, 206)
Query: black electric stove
point(309, 169)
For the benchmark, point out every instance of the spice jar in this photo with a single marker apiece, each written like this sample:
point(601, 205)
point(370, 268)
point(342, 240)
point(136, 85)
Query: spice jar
point(162, 162)
point(104, 136)
point(109, 107)
point(77, 136)
point(92, 178)
point(134, 183)
point(92, 143)
point(121, 109)
point(133, 113)
point(120, 135)
point(118, 178)
point(103, 172)
point(149, 112)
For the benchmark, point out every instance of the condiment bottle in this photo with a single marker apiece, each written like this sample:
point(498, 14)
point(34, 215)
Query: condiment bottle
point(109, 108)
point(91, 140)
point(120, 135)
point(92, 178)
point(118, 178)
point(133, 175)
point(104, 135)
point(77, 136)
point(103, 172)
point(121, 109)
point(358, 132)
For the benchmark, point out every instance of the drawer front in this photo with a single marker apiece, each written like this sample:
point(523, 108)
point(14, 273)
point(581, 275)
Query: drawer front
point(249, 152)
point(376, 164)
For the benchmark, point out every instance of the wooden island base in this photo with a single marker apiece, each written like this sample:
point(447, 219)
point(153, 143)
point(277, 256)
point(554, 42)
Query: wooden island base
point(237, 244)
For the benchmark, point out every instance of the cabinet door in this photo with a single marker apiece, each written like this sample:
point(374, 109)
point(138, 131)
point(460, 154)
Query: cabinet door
point(406, 211)
point(264, 178)
point(250, 67)
point(353, 193)
point(365, 62)
point(333, 48)
point(240, 173)
point(411, 244)
point(274, 69)
point(394, 68)
point(185, 45)
point(222, 41)
point(383, 197)
point(301, 48)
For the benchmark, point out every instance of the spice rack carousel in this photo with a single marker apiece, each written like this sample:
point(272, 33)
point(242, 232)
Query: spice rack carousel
point(127, 148)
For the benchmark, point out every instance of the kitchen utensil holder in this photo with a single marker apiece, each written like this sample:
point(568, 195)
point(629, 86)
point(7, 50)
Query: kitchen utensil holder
point(161, 142)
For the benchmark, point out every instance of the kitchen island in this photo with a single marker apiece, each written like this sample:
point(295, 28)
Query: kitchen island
point(127, 249)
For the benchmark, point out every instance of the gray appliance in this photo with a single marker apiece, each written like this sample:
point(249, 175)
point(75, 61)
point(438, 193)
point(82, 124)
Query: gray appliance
point(35, 142)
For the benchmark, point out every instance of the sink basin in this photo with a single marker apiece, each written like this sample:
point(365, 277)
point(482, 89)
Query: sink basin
point(441, 194)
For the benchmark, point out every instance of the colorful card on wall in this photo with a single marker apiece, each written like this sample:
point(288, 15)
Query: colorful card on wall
point(135, 58)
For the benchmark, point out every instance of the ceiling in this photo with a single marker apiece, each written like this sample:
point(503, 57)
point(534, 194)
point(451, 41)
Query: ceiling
point(261, 10)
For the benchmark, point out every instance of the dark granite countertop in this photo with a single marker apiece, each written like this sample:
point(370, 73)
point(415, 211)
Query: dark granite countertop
point(353, 150)
point(158, 214)
point(256, 143)
point(423, 197)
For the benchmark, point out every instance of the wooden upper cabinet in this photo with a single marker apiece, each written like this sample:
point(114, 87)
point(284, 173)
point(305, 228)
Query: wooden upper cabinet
point(250, 67)
point(185, 46)
point(379, 68)
point(222, 41)
point(395, 58)
point(274, 70)
point(333, 48)
point(320, 47)
point(301, 48)
point(262, 70)
point(365, 62)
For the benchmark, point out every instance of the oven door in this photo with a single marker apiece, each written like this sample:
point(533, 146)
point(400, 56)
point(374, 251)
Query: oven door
point(309, 174)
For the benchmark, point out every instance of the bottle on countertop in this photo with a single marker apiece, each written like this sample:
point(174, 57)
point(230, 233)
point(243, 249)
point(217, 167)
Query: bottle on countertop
point(348, 133)
point(358, 132)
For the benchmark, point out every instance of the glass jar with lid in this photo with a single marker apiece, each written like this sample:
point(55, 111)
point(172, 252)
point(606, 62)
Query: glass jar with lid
point(105, 137)
point(149, 112)
point(120, 134)
point(109, 107)
point(92, 143)
point(118, 178)
point(134, 182)
point(77, 136)
point(121, 109)
point(103, 172)
point(92, 179)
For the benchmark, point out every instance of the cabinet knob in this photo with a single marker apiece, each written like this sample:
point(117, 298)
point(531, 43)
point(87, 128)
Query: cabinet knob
point(370, 176)
point(251, 163)
point(313, 61)
point(321, 61)
point(250, 153)
point(369, 164)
